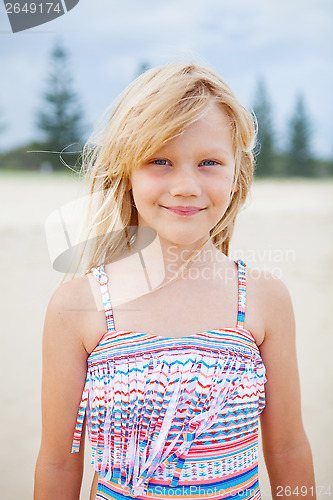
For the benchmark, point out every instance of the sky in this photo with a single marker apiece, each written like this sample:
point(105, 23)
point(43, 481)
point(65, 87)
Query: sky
point(287, 43)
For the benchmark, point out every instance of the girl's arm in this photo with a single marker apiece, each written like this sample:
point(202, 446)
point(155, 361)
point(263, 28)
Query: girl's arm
point(58, 472)
point(285, 445)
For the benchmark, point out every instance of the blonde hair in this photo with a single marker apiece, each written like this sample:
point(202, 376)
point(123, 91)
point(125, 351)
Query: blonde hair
point(156, 107)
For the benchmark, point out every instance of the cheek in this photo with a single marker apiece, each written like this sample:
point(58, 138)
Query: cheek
point(147, 186)
point(220, 193)
point(144, 191)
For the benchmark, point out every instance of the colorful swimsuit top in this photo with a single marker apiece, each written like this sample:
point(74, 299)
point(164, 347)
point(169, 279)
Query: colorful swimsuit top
point(171, 411)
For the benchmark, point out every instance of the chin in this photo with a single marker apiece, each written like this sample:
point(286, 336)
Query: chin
point(181, 240)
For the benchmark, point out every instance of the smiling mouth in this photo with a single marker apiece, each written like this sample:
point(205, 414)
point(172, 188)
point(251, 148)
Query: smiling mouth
point(183, 210)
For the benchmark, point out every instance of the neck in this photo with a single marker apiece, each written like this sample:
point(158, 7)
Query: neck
point(171, 256)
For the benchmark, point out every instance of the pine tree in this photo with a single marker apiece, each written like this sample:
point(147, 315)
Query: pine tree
point(3, 125)
point(60, 118)
point(144, 65)
point(265, 145)
point(299, 157)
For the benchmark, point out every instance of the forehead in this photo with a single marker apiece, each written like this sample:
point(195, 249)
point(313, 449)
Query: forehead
point(212, 130)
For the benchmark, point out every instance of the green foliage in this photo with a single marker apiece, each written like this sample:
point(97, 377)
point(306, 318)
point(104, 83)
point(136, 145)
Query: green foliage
point(264, 152)
point(60, 117)
point(30, 157)
point(19, 158)
point(299, 157)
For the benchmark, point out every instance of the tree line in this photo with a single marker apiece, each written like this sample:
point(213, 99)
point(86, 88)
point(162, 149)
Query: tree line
point(60, 121)
point(296, 158)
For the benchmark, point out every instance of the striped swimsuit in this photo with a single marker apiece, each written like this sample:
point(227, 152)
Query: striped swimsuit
point(174, 417)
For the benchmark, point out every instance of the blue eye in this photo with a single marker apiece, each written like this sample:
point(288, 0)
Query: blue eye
point(160, 162)
point(210, 162)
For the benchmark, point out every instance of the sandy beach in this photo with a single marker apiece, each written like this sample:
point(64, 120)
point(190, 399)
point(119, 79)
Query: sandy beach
point(285, 228)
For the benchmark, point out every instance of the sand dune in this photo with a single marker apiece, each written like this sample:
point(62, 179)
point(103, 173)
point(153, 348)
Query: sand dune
point(287, 228)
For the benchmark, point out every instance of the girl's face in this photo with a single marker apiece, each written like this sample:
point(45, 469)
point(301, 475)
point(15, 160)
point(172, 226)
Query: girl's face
point(184, 189)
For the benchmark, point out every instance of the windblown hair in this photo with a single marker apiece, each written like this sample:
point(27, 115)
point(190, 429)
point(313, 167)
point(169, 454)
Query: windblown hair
point(152, 110)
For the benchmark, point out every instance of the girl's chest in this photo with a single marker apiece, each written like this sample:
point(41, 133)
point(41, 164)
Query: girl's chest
point(181, 313)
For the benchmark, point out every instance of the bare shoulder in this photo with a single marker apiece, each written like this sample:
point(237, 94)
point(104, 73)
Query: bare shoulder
point(70, 308)
point(273, 298)
point(72, 296)
point(267, 285)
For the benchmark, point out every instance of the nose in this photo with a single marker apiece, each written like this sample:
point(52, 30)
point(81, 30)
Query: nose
point(185, 182)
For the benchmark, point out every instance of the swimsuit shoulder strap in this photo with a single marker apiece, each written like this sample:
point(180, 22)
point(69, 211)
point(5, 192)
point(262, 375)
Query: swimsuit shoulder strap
point(101, 276)
point(241, 293)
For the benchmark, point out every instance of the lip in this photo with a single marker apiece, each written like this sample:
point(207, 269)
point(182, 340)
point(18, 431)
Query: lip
point(180, 210)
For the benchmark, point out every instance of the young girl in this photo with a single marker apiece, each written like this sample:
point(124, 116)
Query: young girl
point(167, 350)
